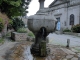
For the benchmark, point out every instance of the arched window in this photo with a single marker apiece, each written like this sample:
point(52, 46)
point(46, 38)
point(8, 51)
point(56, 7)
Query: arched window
point(71, 19)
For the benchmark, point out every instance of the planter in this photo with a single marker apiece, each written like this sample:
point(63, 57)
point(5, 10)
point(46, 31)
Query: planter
point(71, 33)
point(19, 36)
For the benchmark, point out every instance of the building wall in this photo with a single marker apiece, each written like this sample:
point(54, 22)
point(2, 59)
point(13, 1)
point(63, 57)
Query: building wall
point(60, 11)
point(64, 11)
point(76, 11)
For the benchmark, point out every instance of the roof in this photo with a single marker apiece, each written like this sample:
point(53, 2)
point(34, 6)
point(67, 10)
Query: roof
point(61, 1)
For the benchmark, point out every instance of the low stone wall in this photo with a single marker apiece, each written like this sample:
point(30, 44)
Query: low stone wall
point(71, 33)
point(18, 36)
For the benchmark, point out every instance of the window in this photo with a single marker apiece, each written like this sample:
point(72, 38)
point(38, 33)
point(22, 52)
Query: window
point(65, 23)
point(71, 19)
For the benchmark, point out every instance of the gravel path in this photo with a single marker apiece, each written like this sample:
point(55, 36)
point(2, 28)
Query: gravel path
point(5, 47)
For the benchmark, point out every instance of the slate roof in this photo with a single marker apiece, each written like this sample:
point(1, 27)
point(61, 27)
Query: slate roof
point(63, 1)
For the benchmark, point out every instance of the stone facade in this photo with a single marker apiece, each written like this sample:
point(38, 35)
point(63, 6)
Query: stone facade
point(63, 9)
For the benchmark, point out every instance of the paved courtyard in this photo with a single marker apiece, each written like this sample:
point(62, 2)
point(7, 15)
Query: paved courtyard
point(61, 39)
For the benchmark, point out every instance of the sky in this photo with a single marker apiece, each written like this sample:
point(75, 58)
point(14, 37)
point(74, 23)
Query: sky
point(34, 6)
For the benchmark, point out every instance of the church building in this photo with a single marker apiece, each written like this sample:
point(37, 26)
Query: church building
point(67, 12)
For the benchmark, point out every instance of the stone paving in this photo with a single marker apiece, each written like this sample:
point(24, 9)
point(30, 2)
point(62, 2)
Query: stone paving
point(57, 45)
point(61, 39)
point(62, 53)
point(57, 52)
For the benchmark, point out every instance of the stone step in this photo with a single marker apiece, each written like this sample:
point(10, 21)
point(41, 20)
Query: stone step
point(58, 32)
point(67, 51)
point(74, 50)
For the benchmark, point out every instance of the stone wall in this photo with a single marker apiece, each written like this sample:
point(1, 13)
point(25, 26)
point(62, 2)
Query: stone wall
point(64, 12)
point(71, 33)
point(19, 36)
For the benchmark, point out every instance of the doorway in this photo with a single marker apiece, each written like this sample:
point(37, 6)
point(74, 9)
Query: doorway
point(58, 24)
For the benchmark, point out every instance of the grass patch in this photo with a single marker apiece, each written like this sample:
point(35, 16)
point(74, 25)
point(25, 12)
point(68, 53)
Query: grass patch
point(1, 40)
point(31, 34)
point(22, 30)
point(78, 49)
point(66, 30)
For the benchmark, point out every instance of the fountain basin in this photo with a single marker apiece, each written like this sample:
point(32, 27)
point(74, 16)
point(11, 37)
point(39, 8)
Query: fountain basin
point(40, 20)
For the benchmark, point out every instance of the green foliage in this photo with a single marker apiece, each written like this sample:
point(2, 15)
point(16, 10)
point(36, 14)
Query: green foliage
point(66, 30)
point(8, 34)
point(1, 40)
point(31, 34)
point(22, 30)
point(17, 23)
point(76, 28)
point(10, 24)
point(1, 24)
point(13, 7)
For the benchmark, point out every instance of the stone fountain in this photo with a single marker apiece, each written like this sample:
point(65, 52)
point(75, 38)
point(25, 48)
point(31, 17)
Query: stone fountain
point(41, 24)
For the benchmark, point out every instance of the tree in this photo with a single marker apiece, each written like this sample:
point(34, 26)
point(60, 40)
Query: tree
point(14, 7)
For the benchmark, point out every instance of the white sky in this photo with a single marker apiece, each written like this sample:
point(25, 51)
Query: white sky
point(34, 6)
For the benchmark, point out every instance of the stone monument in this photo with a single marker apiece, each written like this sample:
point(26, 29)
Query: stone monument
point(41, 24)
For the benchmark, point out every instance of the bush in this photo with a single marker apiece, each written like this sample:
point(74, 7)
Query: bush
point(17, 23)
point(76, 28)
point(1, 40)
point(31, 34)
point(1, 24)
point(22, 30)
point(66, 30)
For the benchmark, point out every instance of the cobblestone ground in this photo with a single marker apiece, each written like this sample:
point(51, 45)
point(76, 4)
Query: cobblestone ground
point(57, 52)
point(62, 53)
point(57, 45)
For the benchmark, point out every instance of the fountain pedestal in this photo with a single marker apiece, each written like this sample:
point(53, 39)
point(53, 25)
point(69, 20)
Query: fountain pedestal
point(39, 48)
point(41, 24)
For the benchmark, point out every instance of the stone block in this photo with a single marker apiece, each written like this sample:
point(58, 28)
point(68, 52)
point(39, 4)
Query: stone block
point(19, 36)
point(67, 51)
point(74, 58)
point(69, 56)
